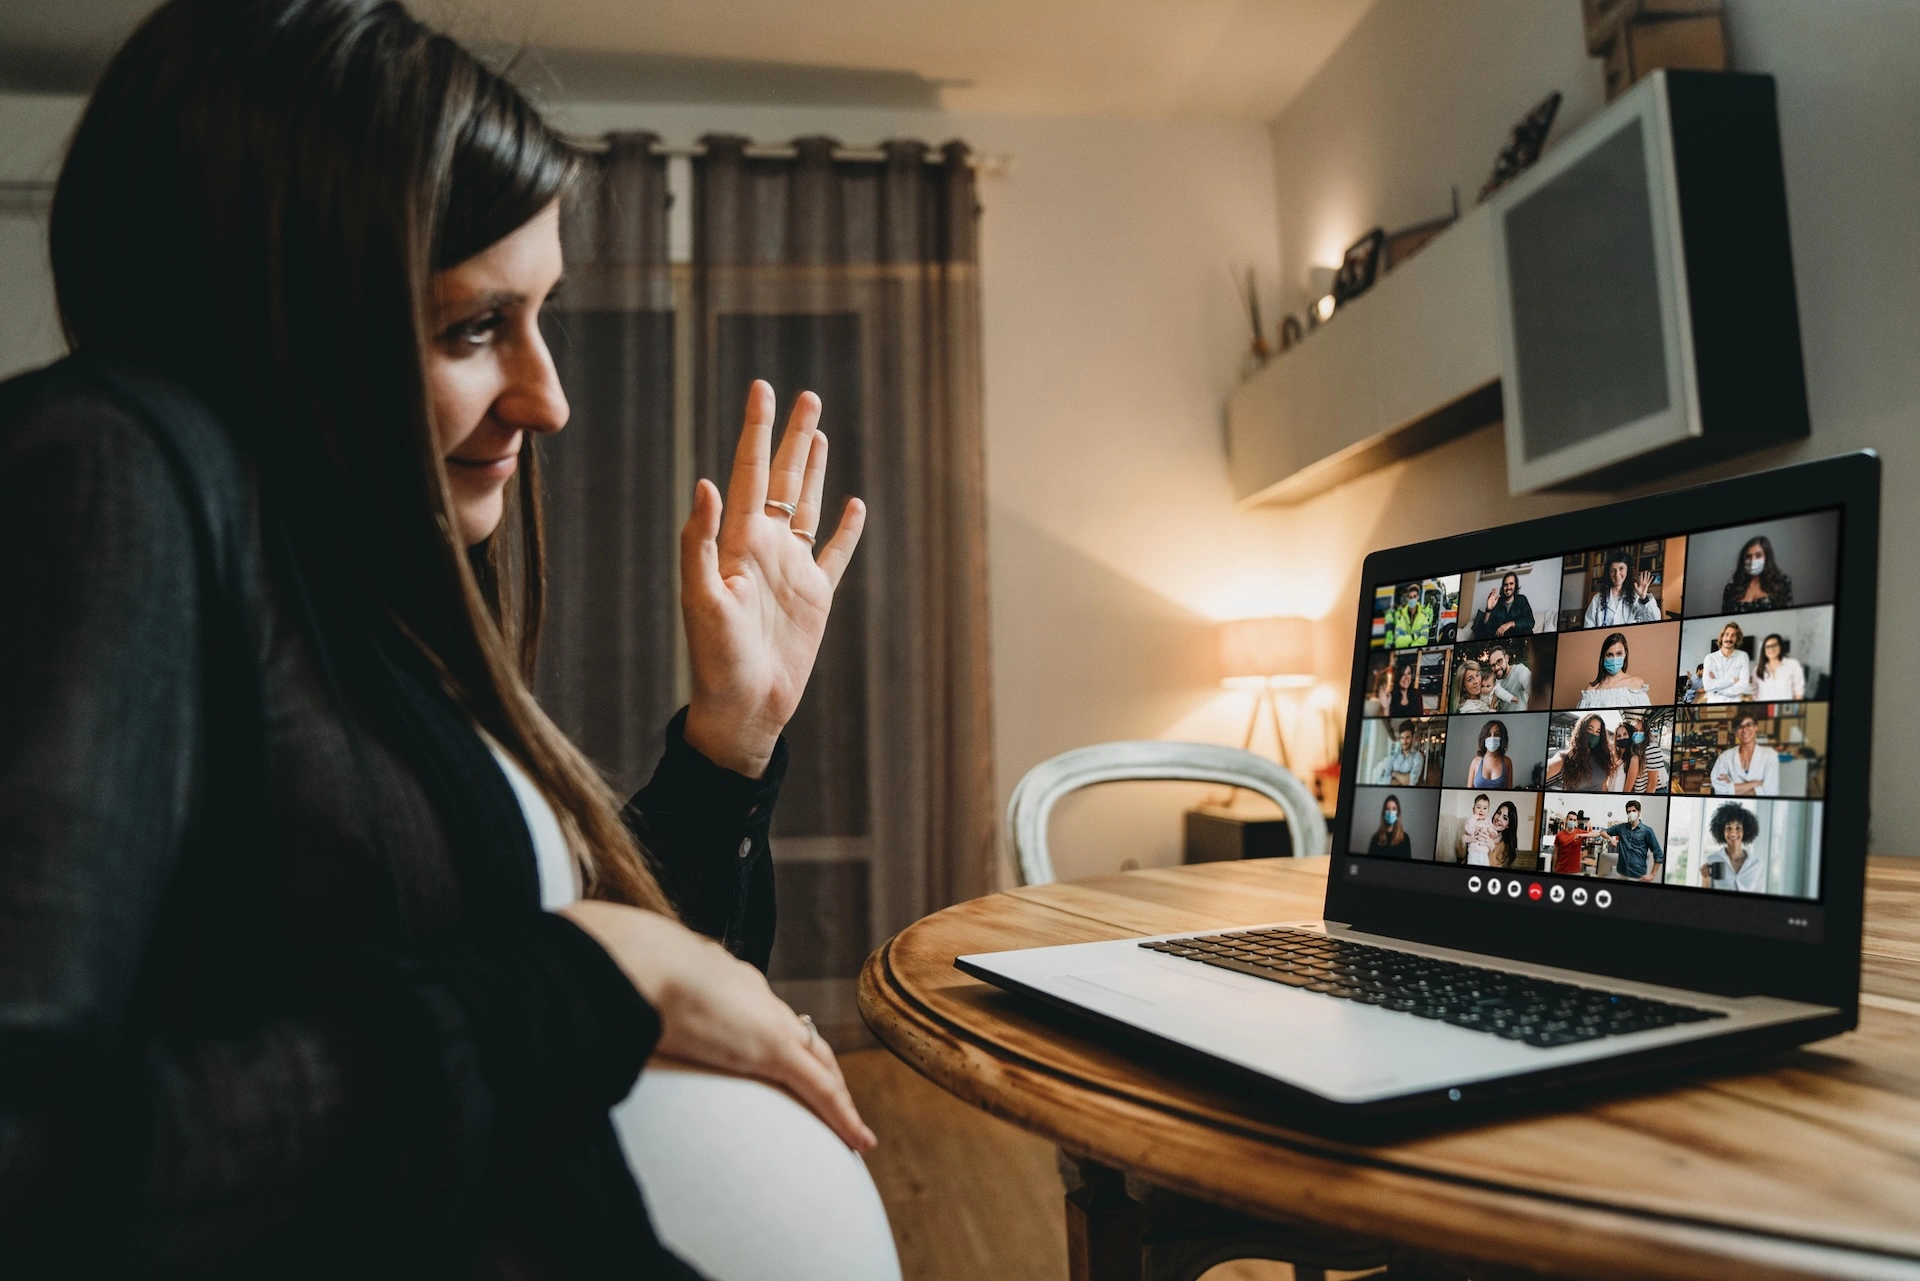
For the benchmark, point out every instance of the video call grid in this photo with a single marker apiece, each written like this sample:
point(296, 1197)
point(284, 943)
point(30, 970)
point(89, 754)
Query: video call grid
point(1651, 590)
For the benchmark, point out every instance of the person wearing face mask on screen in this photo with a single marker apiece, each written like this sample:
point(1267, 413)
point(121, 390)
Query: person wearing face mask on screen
point(1758, 582)
point(1653, 755)
point(1391, 840)
point(1641, 858)
point(1492, 767)
point(1612, 684)
point(1630, 755)
point(1410, 623)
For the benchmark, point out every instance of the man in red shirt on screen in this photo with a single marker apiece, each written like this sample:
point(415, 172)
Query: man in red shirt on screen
point(1569, 844)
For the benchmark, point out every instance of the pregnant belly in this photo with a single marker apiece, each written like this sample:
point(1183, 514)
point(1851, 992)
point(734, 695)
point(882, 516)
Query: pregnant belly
point(746, 1184)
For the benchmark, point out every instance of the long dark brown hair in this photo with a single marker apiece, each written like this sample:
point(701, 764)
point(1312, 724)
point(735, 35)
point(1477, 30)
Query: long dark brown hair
point(1600, 659)
point(1580, 762)
point(254, 203)
point(1772, 578)
point(1509, 840)
point(1397, 833)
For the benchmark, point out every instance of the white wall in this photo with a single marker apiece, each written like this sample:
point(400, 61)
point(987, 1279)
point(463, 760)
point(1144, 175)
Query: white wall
point(1849, 94)
point(1112, 337)
point(1418, 101)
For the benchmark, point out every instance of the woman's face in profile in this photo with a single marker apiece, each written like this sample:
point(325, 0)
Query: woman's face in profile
point(489, 375)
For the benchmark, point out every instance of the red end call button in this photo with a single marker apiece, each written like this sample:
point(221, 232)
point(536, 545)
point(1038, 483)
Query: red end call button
point(1534, 891)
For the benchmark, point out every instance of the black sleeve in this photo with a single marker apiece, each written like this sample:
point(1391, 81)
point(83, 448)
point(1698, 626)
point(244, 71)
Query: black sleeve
point(374, 1101)
point(1522, 615)
point(705, 830)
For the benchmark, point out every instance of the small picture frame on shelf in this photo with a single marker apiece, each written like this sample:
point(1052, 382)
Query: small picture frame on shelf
point(1359, 266)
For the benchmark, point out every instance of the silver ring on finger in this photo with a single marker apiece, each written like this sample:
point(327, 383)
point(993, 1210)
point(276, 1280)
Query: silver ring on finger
point(813, 1033)
point(786, 509)
point(801, 533)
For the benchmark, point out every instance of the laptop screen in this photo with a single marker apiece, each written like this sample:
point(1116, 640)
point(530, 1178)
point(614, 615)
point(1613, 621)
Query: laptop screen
point(1637, 730)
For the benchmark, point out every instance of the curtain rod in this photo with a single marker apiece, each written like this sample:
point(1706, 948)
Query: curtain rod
point(986, 166)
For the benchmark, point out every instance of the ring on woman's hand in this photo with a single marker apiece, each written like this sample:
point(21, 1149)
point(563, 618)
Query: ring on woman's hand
point(787, 509)
point(801, 533)
point(813, 1033)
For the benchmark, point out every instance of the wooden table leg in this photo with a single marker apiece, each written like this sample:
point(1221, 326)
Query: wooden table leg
point(1103, 1223)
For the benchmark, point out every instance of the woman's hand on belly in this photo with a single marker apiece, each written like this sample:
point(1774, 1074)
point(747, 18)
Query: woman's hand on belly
point(717, 1011)
point(753, 594)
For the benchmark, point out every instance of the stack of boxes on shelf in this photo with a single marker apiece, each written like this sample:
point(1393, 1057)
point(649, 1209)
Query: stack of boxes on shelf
point(1641, 36)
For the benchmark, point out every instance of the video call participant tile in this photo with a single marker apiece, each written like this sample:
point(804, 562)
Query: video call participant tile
point(1627, 749)
point(1406, 683)
point(1408, 834)
point(1506, 602)
point(1758, 750)
point(1507, 752)
point(1588, 835)
point(1503, 676)
point(1617, 667)
point(1745, 846)
point(1617, 586)
point(1489, 829)
point(1416, 613)
point(1731, 658)
point(1402, 753)
point(1770, 564)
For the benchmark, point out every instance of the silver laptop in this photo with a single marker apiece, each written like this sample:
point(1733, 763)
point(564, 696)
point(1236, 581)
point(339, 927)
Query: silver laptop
point(1603, 812)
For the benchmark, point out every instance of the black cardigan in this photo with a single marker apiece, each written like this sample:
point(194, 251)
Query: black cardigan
point(277, 997)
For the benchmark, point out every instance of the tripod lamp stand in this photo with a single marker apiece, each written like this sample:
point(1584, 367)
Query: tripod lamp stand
point(1267, 654)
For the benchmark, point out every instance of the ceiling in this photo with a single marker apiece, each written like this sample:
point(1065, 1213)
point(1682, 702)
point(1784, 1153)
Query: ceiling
point(1151, 59)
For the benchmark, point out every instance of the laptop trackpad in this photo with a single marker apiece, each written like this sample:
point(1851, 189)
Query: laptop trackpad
point(1143, 986)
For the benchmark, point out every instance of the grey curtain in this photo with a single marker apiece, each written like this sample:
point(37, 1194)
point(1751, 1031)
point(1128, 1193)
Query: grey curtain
point(858, 280)
point(607, 664)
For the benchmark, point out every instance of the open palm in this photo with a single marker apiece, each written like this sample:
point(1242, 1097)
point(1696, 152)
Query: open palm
point(754, 596)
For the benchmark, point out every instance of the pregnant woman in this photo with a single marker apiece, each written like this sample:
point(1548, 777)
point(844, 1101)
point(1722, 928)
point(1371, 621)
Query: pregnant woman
point(324, 952)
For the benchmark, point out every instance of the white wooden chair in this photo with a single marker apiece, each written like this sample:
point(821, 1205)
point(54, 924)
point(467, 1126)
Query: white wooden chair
point(1035, 796)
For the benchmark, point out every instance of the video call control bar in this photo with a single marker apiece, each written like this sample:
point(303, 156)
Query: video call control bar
point(1609, 899)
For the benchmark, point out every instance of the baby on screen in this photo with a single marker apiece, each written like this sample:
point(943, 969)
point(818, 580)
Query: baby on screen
point(1478, 831)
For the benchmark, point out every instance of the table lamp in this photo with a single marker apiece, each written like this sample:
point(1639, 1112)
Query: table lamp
point(1267, 654)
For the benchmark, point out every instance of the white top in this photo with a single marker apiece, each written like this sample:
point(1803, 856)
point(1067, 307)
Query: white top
point(1764, 769)
point(1750, 879)
point(559, 874)
point(1610, 609)
point(1787, 681)
point(1479, 836)
point(1727, 676)
point(1619, 696)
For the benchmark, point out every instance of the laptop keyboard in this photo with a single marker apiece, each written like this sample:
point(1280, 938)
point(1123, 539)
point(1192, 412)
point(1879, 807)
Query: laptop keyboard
point(1514, 1006)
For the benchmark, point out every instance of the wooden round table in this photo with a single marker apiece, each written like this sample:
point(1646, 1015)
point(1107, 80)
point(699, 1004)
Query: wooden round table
point(1804, 1165)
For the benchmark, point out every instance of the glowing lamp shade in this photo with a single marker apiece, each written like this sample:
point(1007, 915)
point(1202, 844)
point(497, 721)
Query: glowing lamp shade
point(1266, 652)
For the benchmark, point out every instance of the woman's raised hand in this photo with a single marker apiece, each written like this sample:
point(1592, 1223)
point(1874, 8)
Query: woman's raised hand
point(754, 596)
point(717, 1011)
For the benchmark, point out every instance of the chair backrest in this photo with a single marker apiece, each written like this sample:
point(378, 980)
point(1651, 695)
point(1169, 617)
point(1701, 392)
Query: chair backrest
point(1035, 796)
